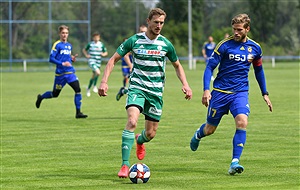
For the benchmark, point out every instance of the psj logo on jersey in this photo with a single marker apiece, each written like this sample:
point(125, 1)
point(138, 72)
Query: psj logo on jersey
point(237, 57)
point(65, 51)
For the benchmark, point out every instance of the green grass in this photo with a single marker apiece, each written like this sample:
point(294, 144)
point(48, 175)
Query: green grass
point(48, 148)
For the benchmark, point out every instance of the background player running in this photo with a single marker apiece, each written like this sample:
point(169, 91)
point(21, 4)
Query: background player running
point(65, 72)
point(208, 49)
point(94, 51)
point(234, 55)
point(126, 70)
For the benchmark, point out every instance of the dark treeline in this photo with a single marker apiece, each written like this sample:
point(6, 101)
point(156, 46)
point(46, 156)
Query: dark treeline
point(275, 24)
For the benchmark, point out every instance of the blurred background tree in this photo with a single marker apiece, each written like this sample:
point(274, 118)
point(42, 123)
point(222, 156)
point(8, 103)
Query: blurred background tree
point(274, 24)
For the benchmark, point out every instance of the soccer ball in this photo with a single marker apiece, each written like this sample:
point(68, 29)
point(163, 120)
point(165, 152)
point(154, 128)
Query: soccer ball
point(139, 173)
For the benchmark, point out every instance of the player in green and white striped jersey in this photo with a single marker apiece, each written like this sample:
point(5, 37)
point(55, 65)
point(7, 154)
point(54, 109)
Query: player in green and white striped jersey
point(94, 51)
point(150, 52)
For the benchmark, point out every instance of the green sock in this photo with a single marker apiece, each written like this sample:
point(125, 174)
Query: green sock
point(127, 142)
point(95, 80)
point(91, 83)
point(142, 138)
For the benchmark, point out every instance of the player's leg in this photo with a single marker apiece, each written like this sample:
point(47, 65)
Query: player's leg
point(59, 83)
point(96, 76)
point(133, 113)
point(77, 97)
point(218, 106)
point(123, 90)
point(152, 111)
point(240, 111)
point(145, 136)
point(92, 65)
point(134, 106)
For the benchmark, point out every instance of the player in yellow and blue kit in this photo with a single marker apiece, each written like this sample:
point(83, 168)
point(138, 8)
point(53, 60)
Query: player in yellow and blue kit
point(64, 73)
point(234, 55)
point(126, 70)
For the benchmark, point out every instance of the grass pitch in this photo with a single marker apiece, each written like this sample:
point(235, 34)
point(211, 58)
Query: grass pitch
point(48, 148)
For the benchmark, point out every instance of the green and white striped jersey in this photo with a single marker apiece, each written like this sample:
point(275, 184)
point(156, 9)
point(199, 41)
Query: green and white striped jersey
point(95, 50)
point(149, 61)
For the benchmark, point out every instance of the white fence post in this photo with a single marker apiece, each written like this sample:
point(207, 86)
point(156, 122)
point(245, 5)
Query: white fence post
point(273, 62)
point(24, 66)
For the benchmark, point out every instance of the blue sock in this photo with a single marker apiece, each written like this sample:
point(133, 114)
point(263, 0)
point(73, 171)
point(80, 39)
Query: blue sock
point(47, 95)
point(77, 101)
point(200, 132)
point(238, 143)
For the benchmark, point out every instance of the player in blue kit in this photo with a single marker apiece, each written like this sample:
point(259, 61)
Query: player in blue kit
point(126, 70)
point(65, 72)
point(208, 49)
point(234, 55)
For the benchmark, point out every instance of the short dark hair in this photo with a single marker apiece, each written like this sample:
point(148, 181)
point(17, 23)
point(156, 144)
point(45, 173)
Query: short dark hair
point(96, 34)
point(156, 11)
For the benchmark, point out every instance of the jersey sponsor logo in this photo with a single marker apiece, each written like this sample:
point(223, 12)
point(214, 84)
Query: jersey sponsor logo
point(154, 111)
point(237, 57)
point(250, 58)
point(65, 51)
point(148, 52)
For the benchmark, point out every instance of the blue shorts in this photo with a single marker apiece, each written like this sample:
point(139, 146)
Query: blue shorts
point(126, 72)
point(221, 103)
point(61, 80)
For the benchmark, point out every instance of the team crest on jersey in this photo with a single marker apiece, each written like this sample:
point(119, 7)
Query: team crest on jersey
point(249, 49)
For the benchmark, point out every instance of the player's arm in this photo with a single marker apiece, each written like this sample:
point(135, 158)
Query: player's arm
point(52, 58)
point(107, 71)
point(181, 75)
point(103, 54)
point(73, 57)
point(85, 53)
point(260, 77)
point(211, 65)
point(204, 53)
point(104, 51)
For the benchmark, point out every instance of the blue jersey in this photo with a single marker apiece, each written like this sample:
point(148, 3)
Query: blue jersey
point(125, 67)
point(209, 48)
point(234, 59)
point(61, 52)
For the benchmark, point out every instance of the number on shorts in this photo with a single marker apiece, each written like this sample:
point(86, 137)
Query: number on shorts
point(213, 111)
point(134, 97)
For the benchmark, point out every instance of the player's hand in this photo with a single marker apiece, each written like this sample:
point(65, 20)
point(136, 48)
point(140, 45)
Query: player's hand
point(102, 90)
point(188, 92)
point(74, 57)
point(206, 98)
point(67, 64)
point(267, 100)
